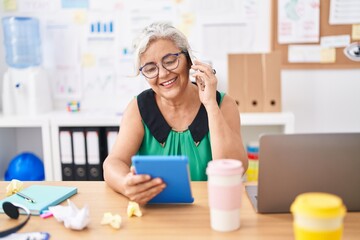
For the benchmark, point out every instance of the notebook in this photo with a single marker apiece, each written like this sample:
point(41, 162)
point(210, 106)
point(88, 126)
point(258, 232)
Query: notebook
point(44, 196)
point(297, 163)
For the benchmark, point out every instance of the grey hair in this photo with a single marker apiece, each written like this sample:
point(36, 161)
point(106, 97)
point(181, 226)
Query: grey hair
point(158, 30)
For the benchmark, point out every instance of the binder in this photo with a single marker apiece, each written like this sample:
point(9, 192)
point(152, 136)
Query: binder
point(94, 163)
point(254, 83)
point(236, 84)
point(66, 154)
point(272, 82)
point(78, 136)
point(111, 135)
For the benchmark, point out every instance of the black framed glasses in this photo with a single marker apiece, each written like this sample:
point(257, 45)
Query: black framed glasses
point(169, 62)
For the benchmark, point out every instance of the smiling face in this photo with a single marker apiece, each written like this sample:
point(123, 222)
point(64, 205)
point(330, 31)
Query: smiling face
point(168, 84)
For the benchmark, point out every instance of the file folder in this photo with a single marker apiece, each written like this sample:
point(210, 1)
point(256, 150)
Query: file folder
point(111, 135)
point(66, 155)
point(254, 83)
point(236, 83)
point(94, 163)
point(79, 154)
point(272, 82)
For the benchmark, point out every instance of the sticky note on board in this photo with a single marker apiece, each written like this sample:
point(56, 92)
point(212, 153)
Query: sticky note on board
point(355, 35)
point(187, 23)
point(327, 55)
point(10, 5)
point(80, 17)
point(88, 60)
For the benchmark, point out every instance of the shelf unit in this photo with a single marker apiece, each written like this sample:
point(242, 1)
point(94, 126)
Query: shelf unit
point(25, 134)
point(41, 134)
point(78, 119)
point(253, 125)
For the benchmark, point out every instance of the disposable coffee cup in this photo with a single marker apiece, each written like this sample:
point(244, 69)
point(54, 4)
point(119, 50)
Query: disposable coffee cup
point(318, 216)
point(224, 190)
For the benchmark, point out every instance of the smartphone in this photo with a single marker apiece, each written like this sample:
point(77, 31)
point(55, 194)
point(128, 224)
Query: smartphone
point(192, 57)
point(198, 81)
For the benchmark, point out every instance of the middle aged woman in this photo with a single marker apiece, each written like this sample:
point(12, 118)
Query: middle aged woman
point(173, 117)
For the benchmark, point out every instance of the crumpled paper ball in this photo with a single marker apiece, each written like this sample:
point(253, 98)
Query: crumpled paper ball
point(73, 218)
point(113, 220)
point(14, 187)
point(133, 209)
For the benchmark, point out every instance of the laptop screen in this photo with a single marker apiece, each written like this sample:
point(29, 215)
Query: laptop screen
point(290, 164)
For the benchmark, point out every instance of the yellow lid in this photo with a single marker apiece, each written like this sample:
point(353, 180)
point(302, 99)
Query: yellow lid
point(319, 205)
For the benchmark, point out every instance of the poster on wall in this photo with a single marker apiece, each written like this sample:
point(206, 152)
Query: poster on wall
point(298, 21)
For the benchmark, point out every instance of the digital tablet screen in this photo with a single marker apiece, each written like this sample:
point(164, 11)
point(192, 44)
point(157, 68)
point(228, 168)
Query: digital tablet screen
point(173, 170)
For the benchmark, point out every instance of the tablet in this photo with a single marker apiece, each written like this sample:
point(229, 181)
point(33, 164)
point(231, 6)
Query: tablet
point(173, 170)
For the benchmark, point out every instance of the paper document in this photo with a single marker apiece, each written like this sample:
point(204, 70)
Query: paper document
point(304, 53)
point(335, 41)
point(298, 21)
point(344, 11)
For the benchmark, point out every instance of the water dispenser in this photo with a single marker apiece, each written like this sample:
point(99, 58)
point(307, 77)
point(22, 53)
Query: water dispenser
point(26, 89)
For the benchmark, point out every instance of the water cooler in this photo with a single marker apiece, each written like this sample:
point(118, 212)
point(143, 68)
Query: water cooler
point(26, 89)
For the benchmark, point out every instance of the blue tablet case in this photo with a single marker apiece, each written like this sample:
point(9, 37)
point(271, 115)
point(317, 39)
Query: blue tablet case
point(173, 170)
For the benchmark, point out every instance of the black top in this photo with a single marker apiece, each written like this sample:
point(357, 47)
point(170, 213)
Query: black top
point(159, 128)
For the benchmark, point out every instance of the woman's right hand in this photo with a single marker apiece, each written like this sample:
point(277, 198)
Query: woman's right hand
point(141, 188)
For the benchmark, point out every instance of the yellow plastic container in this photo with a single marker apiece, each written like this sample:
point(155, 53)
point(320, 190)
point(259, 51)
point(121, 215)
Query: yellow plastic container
point(253, 170)
point(318, 216)
point(252, 149)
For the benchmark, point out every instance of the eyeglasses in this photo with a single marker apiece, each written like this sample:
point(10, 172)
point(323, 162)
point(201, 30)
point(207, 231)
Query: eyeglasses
point(169, 62)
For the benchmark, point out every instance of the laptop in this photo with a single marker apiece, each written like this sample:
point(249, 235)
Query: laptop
point(291, 164)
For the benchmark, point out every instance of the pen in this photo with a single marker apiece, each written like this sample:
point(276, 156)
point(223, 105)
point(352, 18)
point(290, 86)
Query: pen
point(25, 197)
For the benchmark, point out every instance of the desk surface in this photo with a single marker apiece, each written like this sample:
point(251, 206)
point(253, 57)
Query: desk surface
point(163, 221)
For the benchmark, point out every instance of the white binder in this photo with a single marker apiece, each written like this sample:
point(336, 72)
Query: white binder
point(111, 138)
point(93, 151)
point(94, 165)
point(66, 155)
point(79, 155)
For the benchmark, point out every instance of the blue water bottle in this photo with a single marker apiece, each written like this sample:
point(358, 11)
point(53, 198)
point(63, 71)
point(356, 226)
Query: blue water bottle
point(22, 41)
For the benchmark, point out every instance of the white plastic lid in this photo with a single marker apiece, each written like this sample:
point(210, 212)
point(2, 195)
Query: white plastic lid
point(225, 167)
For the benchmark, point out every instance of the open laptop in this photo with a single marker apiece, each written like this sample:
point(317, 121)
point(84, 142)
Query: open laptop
point(297, 163)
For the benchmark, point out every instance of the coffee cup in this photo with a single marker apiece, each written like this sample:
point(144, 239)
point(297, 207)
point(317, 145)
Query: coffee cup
point(318, 216)
point(225, 190)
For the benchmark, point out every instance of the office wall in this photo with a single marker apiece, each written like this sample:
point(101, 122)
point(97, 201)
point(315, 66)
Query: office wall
point(2, 57)
point(322, 100)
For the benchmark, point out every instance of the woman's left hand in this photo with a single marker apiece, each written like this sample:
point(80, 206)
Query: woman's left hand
point(206, 81)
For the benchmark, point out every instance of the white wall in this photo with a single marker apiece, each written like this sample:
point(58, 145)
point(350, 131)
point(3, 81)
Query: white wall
point(322, 100)
point(2, 55)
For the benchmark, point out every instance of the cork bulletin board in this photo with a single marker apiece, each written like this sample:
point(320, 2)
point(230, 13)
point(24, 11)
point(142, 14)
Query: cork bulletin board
point(342, 62)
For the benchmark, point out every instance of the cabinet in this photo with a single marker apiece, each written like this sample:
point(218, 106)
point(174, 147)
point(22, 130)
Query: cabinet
point(40, 134)
point(21, 133)
point(253, 125)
